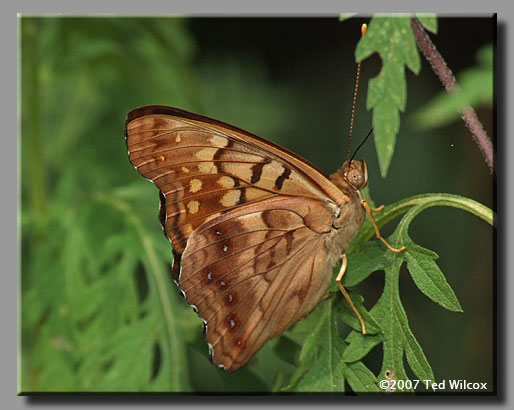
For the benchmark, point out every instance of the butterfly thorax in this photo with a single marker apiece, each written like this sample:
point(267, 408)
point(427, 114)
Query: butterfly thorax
point(350, 178)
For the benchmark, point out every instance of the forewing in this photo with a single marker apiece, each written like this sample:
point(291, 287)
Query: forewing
point(205, 168)
point(253, 272)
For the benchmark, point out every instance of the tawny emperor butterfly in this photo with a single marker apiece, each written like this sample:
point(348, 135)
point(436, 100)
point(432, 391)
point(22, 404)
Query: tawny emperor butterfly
point(255, 229)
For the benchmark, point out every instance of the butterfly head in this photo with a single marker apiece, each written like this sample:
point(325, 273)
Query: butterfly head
point(355, 173)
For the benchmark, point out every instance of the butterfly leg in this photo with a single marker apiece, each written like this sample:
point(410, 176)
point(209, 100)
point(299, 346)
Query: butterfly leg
point(377, 209)
point(344, 264)
point(370, 211)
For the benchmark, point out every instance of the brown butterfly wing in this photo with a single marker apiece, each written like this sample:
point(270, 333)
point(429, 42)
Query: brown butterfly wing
point(250, 218)
point(205, 168)
point(255, 271)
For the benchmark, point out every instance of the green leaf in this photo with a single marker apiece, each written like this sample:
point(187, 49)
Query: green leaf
point(396, 335)
point(360, 378)
point(388, 311)
point(359, 345)
point(392, 38)
point(321, 357)
point(346, 16)
point(428, 277)
point(428, 20)
point(287, 349)
point(421, 265)
point(349, 317)
point(365, 259)
point(323, 367)
point(165, 302)
point(415, 356)
point(368, 258)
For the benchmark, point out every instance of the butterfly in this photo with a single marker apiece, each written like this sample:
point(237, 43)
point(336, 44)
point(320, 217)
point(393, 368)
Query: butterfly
point(255, 229)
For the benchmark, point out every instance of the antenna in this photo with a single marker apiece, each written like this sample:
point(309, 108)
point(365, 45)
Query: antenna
point(362, 143)
point(363, 31)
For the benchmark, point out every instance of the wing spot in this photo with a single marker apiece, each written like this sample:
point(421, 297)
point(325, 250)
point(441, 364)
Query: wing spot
point(218, 142)
point(219, 232)
point(185, 170)
point(209, 276)
point(238, 342)
point(162, 158)
point(226, 182)
point(193, 207)
point(206, 154)
point(207, 168)
point(231, 198)
point(195, 185)
point(178, 139)
point(232, 323)
point(225, 248)
point(222, 283)
point(230, 298)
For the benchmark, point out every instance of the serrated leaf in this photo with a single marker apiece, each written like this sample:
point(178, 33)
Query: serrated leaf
point(416, 358)
point(393, 40)
point(360, 378)
point(349, 317)
point(368, 258)
point(324, 350)
point(359, 345)
point(428, 277)
point(420, 262)
point(309, 348)
point(386, 312)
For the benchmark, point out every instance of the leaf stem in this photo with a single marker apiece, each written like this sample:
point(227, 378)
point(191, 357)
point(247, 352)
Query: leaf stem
point(446, 76)
point(397, 208)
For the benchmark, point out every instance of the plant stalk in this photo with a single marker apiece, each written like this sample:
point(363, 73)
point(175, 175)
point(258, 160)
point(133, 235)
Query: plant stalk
point(446, 76)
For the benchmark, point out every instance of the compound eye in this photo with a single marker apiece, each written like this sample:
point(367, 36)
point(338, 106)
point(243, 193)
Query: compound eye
point(355, 178)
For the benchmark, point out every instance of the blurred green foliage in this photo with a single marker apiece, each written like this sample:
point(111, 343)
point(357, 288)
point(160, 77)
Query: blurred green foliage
point(99, 311)
point(476, 86)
